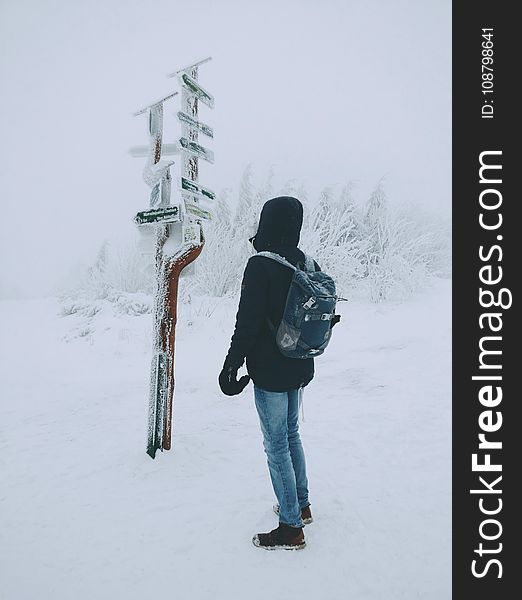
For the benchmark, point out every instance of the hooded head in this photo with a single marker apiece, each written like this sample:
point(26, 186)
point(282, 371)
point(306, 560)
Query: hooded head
point(279, 224)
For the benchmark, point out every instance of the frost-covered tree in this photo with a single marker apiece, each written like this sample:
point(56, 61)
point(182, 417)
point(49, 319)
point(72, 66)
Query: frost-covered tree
point(222, 213)
point(399, 252)
point(328, 237)
point(290, 188)
point(246, 209)
point(376, 207)
point(375, 250)
point(95, 279)
point(267, 189)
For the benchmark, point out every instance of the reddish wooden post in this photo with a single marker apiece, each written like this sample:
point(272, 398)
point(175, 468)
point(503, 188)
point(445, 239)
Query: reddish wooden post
point(173, 272)
point(179, 236)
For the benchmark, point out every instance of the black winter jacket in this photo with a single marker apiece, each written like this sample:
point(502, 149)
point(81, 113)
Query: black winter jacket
point(263, 296)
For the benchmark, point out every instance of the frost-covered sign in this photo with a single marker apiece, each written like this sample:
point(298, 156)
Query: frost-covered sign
point(203, 127)
point(193, 87)
point(176, 215)
point(196, 189)
point(169, 214)
point(196, 150)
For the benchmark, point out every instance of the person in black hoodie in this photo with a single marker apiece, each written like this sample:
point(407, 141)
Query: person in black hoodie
point(278, 380)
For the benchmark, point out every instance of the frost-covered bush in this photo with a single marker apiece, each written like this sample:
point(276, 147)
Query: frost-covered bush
point(331, 234)
point(402, 249)
point(375, 250)
point(226, 249)
point(120, 274)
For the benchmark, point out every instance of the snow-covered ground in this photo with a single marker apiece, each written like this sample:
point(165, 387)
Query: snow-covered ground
point(86, 514)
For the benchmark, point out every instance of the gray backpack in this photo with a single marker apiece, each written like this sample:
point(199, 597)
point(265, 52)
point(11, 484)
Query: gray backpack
point(305, 329)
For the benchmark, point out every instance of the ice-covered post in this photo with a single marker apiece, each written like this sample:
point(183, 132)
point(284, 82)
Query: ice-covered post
point(179, 237)
point(160, 213)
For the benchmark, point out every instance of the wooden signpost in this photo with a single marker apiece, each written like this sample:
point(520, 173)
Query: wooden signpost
point(176, 213)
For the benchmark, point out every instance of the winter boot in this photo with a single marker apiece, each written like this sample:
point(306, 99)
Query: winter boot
point(282, 538)
point(306, 513)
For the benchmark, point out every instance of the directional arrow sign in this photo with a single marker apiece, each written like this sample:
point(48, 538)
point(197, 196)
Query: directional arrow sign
point(194, 88)
point(197, 211)
point(196, 149)
point(196, 189)
point(203, 127)
point(144, 151)
point(168, 214)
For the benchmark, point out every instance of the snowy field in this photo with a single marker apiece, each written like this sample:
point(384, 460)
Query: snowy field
point(86, 514)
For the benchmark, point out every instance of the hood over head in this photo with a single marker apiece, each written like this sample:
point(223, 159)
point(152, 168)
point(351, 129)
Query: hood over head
point(279, 224)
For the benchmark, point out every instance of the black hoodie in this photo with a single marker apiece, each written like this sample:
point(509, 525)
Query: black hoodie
point(263, 296)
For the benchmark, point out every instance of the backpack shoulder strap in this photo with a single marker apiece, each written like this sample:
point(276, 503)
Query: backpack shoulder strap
point(309, 265)
point(277, 258)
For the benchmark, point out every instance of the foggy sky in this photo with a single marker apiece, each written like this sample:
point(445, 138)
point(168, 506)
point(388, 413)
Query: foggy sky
point(327, 92)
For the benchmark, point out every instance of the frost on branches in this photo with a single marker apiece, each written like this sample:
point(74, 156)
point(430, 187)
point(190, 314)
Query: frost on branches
point(375, 249)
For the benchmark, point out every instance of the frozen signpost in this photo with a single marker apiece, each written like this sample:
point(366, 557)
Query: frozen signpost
point(175, 215)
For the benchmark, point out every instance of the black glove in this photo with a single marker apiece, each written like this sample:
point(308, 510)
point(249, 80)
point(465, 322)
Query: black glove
point(336, 319)
point(228, 380)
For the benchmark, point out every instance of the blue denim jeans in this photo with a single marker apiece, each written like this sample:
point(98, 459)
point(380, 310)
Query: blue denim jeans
point(278, 416)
